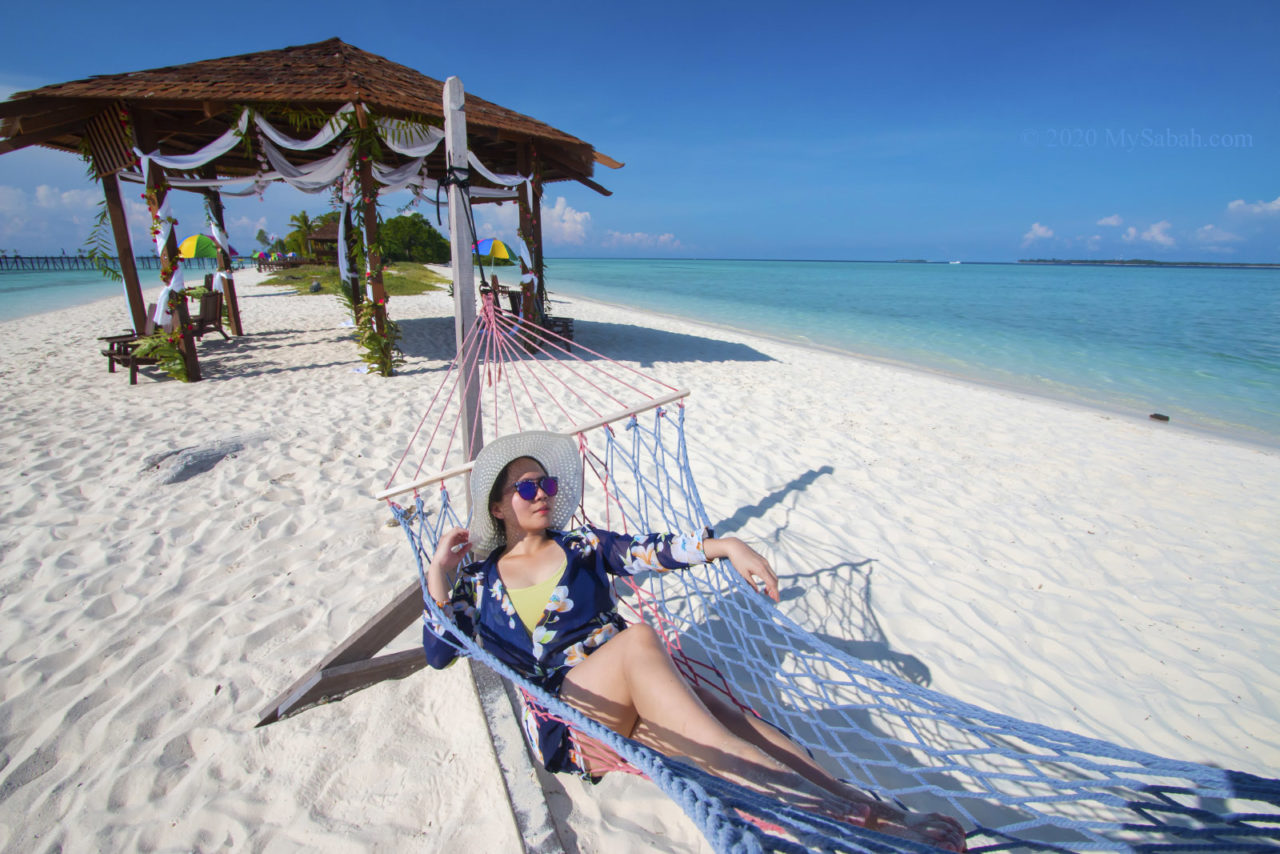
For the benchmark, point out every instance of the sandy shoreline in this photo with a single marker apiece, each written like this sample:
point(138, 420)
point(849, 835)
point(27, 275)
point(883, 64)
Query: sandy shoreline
point(1100, 574)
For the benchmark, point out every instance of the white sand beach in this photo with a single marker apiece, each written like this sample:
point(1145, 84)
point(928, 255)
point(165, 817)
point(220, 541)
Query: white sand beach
point(1104, 574)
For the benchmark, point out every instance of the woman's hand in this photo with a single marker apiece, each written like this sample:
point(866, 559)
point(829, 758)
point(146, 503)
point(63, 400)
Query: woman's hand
point(749, 563)
point(449, 550)
point(936, 829)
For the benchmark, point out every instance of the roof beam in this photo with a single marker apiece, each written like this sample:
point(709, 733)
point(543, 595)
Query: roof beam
point(606, 160)
point(24, 140)
point(33, 106)
point(58, 118)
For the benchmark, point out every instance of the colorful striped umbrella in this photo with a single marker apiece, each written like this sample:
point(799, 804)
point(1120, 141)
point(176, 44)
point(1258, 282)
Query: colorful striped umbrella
point(200, 246)
point(495, 249)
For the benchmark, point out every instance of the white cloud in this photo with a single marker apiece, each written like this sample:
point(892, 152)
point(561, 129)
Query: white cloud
point(641, 240)
point(246, 226)
point(1094, 242)
point(502, 221)
point(54, 199)
point(562, 224)
point(1114, 219)
point(1037, 232)
point(13, 201)
point(1213, 234)
point(1240, 206)
point(1130, 234)
point(1159, 234)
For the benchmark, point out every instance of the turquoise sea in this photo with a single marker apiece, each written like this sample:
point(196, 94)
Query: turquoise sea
point(1201, 345)
point(24, 293)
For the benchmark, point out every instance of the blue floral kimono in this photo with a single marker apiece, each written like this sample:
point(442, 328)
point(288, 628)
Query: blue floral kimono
point(580, 616)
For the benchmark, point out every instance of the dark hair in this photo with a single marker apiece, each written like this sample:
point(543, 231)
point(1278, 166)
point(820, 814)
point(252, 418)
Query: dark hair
point(499, 485)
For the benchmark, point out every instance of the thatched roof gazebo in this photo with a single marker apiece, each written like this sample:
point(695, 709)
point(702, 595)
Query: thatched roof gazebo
point(183, 110)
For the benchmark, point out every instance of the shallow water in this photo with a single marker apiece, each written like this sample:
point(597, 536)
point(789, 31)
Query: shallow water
point(1199, 344)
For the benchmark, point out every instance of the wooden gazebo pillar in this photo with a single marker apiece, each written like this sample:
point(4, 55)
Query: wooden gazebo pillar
point(112, 150)
point(531, 231)
point(369, 199)
point(224, 261)
point(157, 190)
point(124, 250)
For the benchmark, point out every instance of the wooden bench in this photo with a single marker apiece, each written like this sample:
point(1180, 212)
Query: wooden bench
point(562, 326)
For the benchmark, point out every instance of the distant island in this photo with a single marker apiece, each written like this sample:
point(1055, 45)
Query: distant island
point(1145, 262)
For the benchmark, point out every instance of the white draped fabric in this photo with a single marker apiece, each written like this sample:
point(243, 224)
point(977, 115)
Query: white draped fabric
point(163, 220)
point(211, 152)
point(409, 138)
point(220, 238)
point(344, 269)
point(314, 177)
point(326, 135)
point(225, 186)
point(397, 179)
point(498, 178)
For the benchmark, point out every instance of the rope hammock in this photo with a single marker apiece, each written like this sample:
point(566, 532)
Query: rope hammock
point(1013, 785)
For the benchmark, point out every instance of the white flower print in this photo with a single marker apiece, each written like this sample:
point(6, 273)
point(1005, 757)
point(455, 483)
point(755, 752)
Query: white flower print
point(541, 635)
point(559, 600)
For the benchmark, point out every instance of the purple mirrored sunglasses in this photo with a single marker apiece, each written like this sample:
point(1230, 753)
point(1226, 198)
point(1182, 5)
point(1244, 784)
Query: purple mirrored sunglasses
point(528, 489)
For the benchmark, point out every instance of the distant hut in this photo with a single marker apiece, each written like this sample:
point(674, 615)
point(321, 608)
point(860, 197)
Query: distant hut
point(323, 243)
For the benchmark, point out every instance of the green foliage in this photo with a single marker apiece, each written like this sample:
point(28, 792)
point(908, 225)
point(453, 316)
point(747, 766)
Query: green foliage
point(412, 238)
point(163, 347)
point(100, 246)
point(398, 280)
point(303, 227)
point(346, 296)
point(381, 352)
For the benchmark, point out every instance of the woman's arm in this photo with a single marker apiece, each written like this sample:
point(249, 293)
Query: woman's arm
point(749, 563)
point(454, 599)
point(662, 552)
point(444, 563)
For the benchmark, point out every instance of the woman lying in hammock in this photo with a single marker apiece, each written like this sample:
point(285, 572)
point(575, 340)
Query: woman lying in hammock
point(543, 603)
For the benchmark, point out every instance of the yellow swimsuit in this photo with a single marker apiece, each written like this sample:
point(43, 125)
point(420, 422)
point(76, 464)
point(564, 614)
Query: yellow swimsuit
point(530, 602)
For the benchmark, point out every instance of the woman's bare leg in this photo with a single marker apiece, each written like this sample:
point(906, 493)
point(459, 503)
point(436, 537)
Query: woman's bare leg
point(777, 744)
point(632, 686)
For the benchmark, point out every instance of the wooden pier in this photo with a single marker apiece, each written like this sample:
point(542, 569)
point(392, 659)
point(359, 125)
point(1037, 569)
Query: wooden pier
point(36, 263)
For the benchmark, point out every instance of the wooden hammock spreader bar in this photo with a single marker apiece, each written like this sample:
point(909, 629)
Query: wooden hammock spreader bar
point(458, 471)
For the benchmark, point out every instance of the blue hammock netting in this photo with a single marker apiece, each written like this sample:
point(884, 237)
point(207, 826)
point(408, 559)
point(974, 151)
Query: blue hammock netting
point(1012, 784)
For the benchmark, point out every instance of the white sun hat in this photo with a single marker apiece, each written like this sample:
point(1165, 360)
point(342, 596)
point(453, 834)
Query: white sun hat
point(558, 456)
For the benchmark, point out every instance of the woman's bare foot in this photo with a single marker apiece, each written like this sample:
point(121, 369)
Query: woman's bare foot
point(936, 829)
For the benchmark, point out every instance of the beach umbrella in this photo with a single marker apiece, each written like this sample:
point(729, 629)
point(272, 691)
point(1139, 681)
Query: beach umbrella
point(495, 250)
point(198, 246)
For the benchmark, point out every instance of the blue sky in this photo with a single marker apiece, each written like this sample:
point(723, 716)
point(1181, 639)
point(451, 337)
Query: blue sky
point(983, 131)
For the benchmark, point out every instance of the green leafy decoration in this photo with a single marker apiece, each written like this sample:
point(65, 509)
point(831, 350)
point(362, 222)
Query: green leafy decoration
point(100, 247)
point(381, 352)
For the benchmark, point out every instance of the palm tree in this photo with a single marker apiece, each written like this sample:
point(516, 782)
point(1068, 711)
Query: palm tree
point(303, 227)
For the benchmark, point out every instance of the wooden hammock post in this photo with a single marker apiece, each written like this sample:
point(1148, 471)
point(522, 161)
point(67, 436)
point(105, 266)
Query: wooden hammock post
point(224, 258)
point(352, 665)
point(461, 240)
